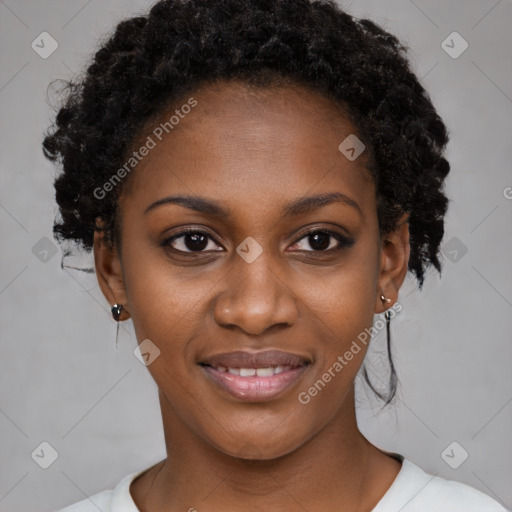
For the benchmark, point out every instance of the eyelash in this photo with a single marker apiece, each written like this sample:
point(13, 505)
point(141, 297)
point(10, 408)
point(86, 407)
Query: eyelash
point(343, 242)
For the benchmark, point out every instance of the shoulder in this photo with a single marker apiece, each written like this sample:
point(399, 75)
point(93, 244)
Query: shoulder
point(414, 490)
point(101, 501)
point(118, 499)
point(460, 497)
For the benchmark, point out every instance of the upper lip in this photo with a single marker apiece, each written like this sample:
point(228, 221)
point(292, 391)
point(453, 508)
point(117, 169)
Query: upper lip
point(241, 359)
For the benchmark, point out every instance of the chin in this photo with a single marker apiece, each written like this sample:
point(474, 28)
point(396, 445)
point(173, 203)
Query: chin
point(261, 446)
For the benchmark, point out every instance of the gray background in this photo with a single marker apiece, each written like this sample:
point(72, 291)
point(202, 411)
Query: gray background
point(63, 381)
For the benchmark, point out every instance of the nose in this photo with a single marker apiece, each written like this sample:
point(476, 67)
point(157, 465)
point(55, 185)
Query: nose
point(255, 297)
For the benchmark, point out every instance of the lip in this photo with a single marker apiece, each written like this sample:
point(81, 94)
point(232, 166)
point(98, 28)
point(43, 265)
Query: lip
point(255, 389)
point(243, 359)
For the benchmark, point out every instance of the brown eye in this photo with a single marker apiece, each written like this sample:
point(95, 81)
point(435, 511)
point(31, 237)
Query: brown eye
point(321, 240)
point(189, 241)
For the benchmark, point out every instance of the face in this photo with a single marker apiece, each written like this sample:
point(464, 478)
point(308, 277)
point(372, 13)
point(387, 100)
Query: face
point(264, 267)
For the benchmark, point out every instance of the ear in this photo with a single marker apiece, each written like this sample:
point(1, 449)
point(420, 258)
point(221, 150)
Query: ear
point(109, 273)
point(394, 260)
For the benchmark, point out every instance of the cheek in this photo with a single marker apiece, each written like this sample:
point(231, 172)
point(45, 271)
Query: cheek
point(339, 357)
point(154, 286)
point(164, 302)
point(343, 309)
point(343, 298)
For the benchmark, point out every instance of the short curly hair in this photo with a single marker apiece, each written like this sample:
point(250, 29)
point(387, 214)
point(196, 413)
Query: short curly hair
point(152, 61)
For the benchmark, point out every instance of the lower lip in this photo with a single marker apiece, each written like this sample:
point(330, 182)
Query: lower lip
point(255, 389)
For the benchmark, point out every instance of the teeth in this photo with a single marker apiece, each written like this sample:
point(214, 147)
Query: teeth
point(251, 372)
point(264, 372)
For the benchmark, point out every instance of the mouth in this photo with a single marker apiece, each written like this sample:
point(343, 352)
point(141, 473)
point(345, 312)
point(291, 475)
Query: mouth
point(255, 377)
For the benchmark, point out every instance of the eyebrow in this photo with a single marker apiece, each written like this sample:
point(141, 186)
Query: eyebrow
point(298, 207)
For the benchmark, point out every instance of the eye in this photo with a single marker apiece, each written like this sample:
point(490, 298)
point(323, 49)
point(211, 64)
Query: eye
point(189, 240)
point(321, 240)
point(197, 241)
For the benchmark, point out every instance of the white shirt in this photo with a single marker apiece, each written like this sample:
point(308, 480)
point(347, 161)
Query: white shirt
point(413, 490)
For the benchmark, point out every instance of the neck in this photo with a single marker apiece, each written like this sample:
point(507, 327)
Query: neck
point(332, 467)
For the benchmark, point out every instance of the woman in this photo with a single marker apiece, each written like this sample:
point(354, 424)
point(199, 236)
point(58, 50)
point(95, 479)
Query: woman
point(255, 179)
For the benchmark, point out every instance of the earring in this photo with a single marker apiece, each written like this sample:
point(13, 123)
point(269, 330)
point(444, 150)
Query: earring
point(116, 313)
point(387, 314)
point(392, 377)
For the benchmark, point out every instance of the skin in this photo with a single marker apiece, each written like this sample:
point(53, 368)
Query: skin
point(254, 150)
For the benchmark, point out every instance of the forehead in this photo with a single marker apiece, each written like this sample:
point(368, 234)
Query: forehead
point(278, 142)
